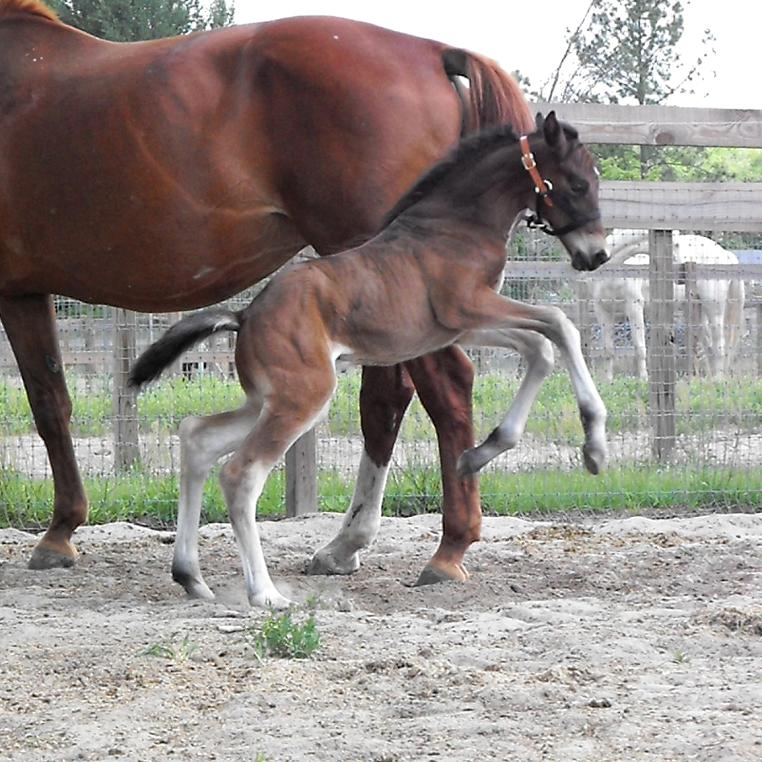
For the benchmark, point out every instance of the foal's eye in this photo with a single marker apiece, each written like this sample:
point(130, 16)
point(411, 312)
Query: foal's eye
point(579, 187)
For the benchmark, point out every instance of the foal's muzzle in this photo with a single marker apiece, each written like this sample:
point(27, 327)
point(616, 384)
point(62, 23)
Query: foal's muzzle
point(582, 262)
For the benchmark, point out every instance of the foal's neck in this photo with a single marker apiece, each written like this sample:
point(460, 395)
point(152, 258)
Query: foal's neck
point(488, 194)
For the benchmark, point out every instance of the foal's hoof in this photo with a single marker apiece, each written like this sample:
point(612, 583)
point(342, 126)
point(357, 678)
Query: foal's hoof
point(44, 557)
point(324, 562)
point(193, 584)
point(595, 460)
point(432, 575)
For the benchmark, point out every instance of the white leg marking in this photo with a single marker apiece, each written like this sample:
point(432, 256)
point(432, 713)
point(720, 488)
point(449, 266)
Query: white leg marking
point(242, 493)
point(203, 441)
point(360, 526)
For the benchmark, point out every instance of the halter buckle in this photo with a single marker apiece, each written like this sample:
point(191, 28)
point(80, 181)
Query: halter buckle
point(527, 160)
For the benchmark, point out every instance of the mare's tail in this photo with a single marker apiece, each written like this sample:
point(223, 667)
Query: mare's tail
point(181, 336)
point(493, 96)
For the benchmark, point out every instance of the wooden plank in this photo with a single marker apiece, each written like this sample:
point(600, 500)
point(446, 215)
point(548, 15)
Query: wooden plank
point(662, 369)
point(682, 206)
point(301, 476)
point(564, 271)
point(661, 125)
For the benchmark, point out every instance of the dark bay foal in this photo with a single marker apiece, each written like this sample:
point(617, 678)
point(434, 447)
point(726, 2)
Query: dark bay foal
point(426, 281)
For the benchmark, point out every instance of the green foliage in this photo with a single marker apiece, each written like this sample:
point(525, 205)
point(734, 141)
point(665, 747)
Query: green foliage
point(179, 653)
point(629, 52)
point(280, 636)
point(131, 20)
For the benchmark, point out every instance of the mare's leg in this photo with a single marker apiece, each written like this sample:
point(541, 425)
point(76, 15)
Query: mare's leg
point(713, 316)
point(30, 324)
point(634, 312)
point(537, 352)
point(444, 381)
point(203, 441)
point(384, 397)
point(605, 319)
point(495, 311)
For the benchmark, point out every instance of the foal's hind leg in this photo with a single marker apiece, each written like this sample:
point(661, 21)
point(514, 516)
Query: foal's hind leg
point(29, 324)
point(243, 477)
point(537, 352)
point(384, 397)
point(203, 441)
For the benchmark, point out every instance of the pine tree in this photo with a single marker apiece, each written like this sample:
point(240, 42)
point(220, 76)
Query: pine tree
point(130, 20)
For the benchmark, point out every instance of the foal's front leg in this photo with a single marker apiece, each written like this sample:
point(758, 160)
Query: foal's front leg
point(537, 352)
point(492, 311)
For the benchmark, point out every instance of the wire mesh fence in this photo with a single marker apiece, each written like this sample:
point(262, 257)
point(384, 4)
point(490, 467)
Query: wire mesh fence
point(671, 328)
point(700, 447)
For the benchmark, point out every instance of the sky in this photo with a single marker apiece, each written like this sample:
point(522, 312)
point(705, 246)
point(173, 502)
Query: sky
point(513, 34)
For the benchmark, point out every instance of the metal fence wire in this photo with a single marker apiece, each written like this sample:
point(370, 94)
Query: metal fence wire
point(672, 331)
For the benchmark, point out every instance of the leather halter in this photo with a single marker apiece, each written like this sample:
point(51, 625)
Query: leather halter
point(544, 191)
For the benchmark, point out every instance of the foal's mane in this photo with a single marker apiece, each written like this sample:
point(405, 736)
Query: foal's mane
point(32, 7)
point(468, 149)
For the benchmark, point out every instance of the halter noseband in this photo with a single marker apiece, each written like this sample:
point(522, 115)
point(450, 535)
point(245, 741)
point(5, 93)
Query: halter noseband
point(544, 192)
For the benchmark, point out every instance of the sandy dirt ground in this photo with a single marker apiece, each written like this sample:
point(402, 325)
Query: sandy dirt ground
point(602, 640)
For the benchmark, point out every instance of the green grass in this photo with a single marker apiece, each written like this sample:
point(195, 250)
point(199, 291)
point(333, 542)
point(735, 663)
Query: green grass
point(280, 636)
point(701, 405)
point(179, 653)
point(152, 500)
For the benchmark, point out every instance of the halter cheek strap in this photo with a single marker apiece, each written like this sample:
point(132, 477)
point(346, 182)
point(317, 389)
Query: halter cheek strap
point(541, 187)
point(544, 191)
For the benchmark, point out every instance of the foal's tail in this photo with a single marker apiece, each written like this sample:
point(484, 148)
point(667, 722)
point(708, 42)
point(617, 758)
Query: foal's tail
point(493, 97)
point(181, 336)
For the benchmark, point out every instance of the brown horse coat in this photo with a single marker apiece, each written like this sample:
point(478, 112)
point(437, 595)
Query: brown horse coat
point(171, 174)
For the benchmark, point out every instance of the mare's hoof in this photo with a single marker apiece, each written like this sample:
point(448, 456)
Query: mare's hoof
point(325, 563)
point(595, 460)
point(44, 557)
point(433, 575)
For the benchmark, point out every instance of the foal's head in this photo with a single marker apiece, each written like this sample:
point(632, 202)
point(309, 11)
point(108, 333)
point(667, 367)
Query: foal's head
point(566, 192)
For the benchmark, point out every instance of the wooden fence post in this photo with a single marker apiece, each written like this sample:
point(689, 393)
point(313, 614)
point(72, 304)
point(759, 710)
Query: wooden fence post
point(301, 476)
point(125, 409)
point(662, 371)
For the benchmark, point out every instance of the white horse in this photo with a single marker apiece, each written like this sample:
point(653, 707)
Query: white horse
point(721, 300)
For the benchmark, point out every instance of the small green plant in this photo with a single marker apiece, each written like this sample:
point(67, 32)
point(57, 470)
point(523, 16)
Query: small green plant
point(281, 636)
point(680, 657)
point(178, 654)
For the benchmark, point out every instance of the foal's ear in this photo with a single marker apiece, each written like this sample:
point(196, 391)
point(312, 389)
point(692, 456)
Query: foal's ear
point(539, 121)
point(552, 130)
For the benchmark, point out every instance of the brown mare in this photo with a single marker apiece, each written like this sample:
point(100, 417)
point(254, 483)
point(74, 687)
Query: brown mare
point(427, 280)
point(169, 175)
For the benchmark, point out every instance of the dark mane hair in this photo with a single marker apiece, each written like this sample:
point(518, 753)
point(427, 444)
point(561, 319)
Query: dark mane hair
point(468, 149)
point(32, 7)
